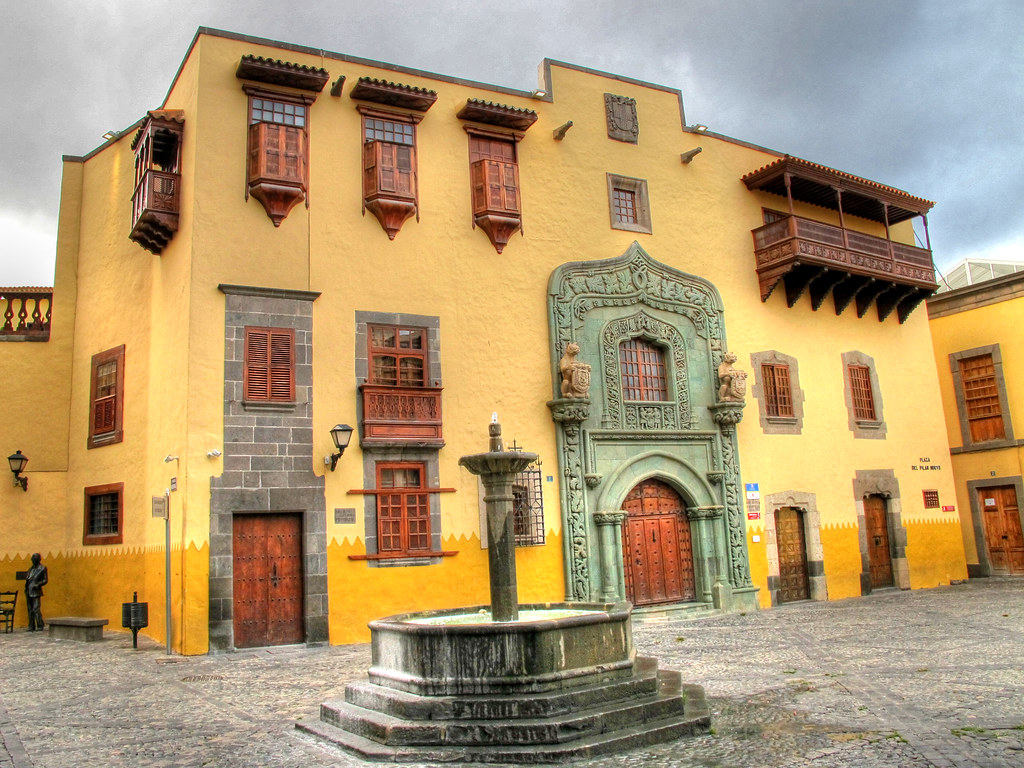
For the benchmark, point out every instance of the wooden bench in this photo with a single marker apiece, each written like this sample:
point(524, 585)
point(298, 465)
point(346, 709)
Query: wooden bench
point(76, 628)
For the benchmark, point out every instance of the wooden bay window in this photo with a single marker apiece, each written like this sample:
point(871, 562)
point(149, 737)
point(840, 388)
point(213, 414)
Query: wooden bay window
point(389, 167)
point(398, 404)
point(278, 151)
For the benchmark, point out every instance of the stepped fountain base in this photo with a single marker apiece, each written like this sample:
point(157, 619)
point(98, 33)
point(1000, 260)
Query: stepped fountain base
point(562, 683)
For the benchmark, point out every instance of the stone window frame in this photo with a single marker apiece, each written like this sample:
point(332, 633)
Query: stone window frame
point(94, 539)
point(874, 429)
point(398, 453)
point(961, 405)
point(778, 425)
point(643, 203)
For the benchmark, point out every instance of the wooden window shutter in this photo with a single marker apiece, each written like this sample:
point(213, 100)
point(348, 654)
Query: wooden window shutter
point(269, 368)
point(495, 187)
point(277, 152)
point(388, 169)
point(103, 415)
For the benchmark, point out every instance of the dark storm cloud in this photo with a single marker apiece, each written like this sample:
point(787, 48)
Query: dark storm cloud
point(924, 96)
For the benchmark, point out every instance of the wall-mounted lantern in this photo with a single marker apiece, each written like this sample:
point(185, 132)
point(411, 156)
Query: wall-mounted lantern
point(18, 460)
point(341, 434)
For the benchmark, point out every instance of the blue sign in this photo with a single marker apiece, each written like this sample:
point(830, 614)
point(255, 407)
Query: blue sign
point(752, 487)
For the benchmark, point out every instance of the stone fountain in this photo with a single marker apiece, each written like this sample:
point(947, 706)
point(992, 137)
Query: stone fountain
point(508, 683)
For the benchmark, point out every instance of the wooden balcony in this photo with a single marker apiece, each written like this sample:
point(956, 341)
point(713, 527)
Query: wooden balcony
point(401, 416)
point(25, 314)
point(807, 255)
point(155, 207)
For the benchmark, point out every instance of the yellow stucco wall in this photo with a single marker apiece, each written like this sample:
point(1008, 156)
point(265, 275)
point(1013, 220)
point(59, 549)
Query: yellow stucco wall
point(493, 313)
point(987, 317)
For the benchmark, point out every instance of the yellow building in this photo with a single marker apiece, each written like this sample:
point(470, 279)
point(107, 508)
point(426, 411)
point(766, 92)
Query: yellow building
point(298, 239)
point(980, 360)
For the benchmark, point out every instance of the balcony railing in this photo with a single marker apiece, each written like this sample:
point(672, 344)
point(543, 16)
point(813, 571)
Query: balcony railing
point(155, 208)
point(401, 415)
point(806, 253)
point(25, 313)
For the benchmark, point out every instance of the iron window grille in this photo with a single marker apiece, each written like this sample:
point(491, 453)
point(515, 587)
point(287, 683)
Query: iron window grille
point(528, 505)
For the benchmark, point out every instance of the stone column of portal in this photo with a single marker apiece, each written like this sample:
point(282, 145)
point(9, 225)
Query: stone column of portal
point(609, 531)
point(497, 470)
point(707, 564)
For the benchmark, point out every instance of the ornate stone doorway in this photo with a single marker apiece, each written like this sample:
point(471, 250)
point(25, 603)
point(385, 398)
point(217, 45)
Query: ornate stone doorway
point(657, 549)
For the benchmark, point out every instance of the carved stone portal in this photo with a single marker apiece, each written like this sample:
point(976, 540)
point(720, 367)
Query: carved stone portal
point(606, 442)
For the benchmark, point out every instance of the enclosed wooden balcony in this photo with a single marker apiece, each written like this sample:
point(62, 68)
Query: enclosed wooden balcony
point(401, 416)
point(805, 255)
point(156, 201)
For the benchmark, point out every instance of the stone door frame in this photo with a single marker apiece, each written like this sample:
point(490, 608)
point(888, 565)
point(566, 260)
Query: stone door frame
point(808, 504)
point(882, 482)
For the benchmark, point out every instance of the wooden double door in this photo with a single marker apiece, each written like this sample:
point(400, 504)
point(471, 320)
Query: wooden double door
point(1003, 535)
point(656, 546)
point(268, 595)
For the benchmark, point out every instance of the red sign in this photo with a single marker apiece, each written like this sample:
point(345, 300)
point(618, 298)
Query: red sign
point(753, 515)
point(949, 509)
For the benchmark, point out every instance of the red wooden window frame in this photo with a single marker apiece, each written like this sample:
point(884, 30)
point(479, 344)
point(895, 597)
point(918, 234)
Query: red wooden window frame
point(108, 501)
point(642, 369)
point(981, 398)
point(931, 499)
point(625, 205)
point(408, 350)
point(861, 394)
point(269, 365)
point(106, 398)
point(403, 509)
point(778, 392)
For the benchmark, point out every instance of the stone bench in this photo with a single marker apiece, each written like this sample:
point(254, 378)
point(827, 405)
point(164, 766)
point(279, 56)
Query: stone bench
point(76, 628)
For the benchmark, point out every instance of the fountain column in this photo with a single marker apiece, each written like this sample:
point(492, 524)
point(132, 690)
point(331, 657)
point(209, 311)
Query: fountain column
point(497, 469)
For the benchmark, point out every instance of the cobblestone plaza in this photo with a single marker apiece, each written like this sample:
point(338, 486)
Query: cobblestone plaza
point(900, 678)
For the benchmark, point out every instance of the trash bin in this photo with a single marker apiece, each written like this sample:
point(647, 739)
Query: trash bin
point(135, 616)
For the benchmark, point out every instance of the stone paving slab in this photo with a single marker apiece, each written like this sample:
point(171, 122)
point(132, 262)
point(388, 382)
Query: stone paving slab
point(898, 679)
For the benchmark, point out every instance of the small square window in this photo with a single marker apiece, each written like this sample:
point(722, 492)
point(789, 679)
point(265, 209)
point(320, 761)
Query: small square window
point(629, 204)
point(931, 499)
point(104, 514)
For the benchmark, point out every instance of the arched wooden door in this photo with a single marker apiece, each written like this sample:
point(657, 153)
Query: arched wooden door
point(656, 546)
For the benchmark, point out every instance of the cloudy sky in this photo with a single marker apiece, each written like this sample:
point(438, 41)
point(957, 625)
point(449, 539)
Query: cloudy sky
point(924, 95)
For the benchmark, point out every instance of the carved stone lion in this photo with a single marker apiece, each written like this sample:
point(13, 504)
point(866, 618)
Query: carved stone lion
point(733, 381)
point(575, 374)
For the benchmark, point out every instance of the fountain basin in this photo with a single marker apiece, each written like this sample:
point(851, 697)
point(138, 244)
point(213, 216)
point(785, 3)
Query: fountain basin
point(554, 646)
